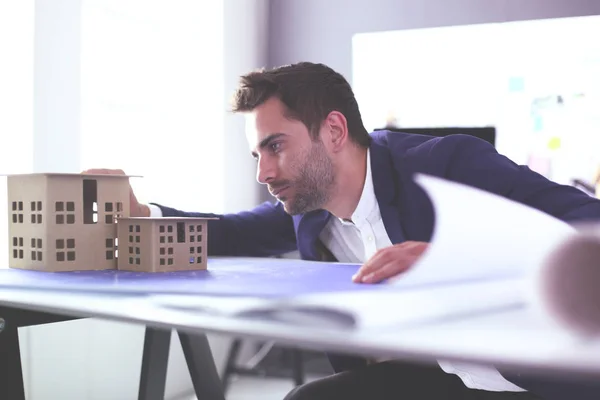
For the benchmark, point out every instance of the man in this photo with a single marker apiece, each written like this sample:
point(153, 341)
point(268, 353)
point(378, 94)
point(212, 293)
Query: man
point(344, 194)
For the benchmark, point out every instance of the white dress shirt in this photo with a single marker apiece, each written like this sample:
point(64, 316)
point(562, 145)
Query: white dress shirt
point(357, 240)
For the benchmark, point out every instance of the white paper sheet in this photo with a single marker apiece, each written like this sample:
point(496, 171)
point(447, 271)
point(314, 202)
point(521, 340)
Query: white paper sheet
point(364, 310)
point(477, 234)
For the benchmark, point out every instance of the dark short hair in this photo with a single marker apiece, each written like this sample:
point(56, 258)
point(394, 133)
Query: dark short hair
point(309, 92)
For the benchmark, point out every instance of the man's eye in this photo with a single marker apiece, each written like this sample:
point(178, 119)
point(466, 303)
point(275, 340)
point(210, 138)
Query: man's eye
point(275, 146)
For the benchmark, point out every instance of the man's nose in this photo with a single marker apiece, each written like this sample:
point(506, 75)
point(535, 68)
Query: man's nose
point(265, 172)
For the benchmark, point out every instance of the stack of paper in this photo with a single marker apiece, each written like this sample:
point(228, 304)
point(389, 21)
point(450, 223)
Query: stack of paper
point(488, 254)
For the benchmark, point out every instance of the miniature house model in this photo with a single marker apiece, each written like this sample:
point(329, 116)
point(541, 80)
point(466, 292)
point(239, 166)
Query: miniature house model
point(75, 222)
point(162, 244)
point(65, 222)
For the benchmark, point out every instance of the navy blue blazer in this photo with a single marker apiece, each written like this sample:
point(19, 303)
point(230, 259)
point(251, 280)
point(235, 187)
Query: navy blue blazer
point(407, 212)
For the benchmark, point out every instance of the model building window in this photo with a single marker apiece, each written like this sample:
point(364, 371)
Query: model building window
point(17, 243)
point(196, 250)
point(136, 238)
point(17, 215)
point(65, 212)
point(135, 255)
point(90, 201)
point(113, 211)
point(166, 239)
point(168, 261)
point(65, 249)
point(169, 252)
point(36, 249)
point(181, 232)
point(109, 209)
point(111, 248)
point(36, 210)
point(135, 260)
point(199, 228)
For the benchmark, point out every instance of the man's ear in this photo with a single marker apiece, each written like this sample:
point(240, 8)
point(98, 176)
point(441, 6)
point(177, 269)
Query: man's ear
point(335, 127)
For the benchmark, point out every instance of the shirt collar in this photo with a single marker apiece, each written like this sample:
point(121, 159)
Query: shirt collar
point(367, 199)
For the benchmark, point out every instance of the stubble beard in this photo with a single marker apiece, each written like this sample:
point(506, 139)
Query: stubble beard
point(314, 183)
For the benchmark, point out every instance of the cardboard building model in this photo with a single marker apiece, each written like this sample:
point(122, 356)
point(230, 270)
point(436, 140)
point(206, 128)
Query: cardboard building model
point(74, 222)
point(162, 244)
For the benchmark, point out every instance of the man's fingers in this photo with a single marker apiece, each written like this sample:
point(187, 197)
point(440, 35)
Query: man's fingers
point(366, 269)
point(381, 257)
point(385, 272)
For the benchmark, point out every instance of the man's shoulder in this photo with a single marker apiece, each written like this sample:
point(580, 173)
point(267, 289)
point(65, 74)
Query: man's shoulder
point(424, 150)
point(414, 142)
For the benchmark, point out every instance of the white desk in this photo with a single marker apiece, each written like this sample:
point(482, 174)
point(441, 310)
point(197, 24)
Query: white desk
point(508, 340)
point(505, 340)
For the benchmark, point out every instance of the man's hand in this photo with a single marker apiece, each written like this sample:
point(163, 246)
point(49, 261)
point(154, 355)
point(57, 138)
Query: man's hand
point(135, 208)
point(390, 261)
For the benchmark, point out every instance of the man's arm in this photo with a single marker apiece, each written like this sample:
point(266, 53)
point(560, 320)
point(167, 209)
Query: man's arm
point(264, 231)
point(476, 163)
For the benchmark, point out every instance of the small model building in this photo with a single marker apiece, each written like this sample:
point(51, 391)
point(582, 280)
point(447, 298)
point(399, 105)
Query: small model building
point(162, 244)
point(65, 222)
point(76, 222)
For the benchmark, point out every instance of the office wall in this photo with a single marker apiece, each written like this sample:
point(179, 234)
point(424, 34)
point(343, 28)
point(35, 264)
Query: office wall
point(321, 31)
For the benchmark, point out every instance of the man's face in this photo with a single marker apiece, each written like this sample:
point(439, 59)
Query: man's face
point(298, 171)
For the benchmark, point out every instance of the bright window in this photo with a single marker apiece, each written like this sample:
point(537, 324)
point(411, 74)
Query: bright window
point(16, 100)
point(152, 98)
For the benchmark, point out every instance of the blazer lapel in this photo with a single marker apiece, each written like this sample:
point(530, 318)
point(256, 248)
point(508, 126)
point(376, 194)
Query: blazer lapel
point(385, 187)
point(310, 226)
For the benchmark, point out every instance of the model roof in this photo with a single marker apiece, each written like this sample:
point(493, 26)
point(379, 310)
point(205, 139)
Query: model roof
point(73, 174)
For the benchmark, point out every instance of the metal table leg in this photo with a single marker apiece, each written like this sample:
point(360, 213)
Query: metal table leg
point(11, 371)
point(154, 364)
point(11, 377)
point(201, 365)
point(231, 363)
